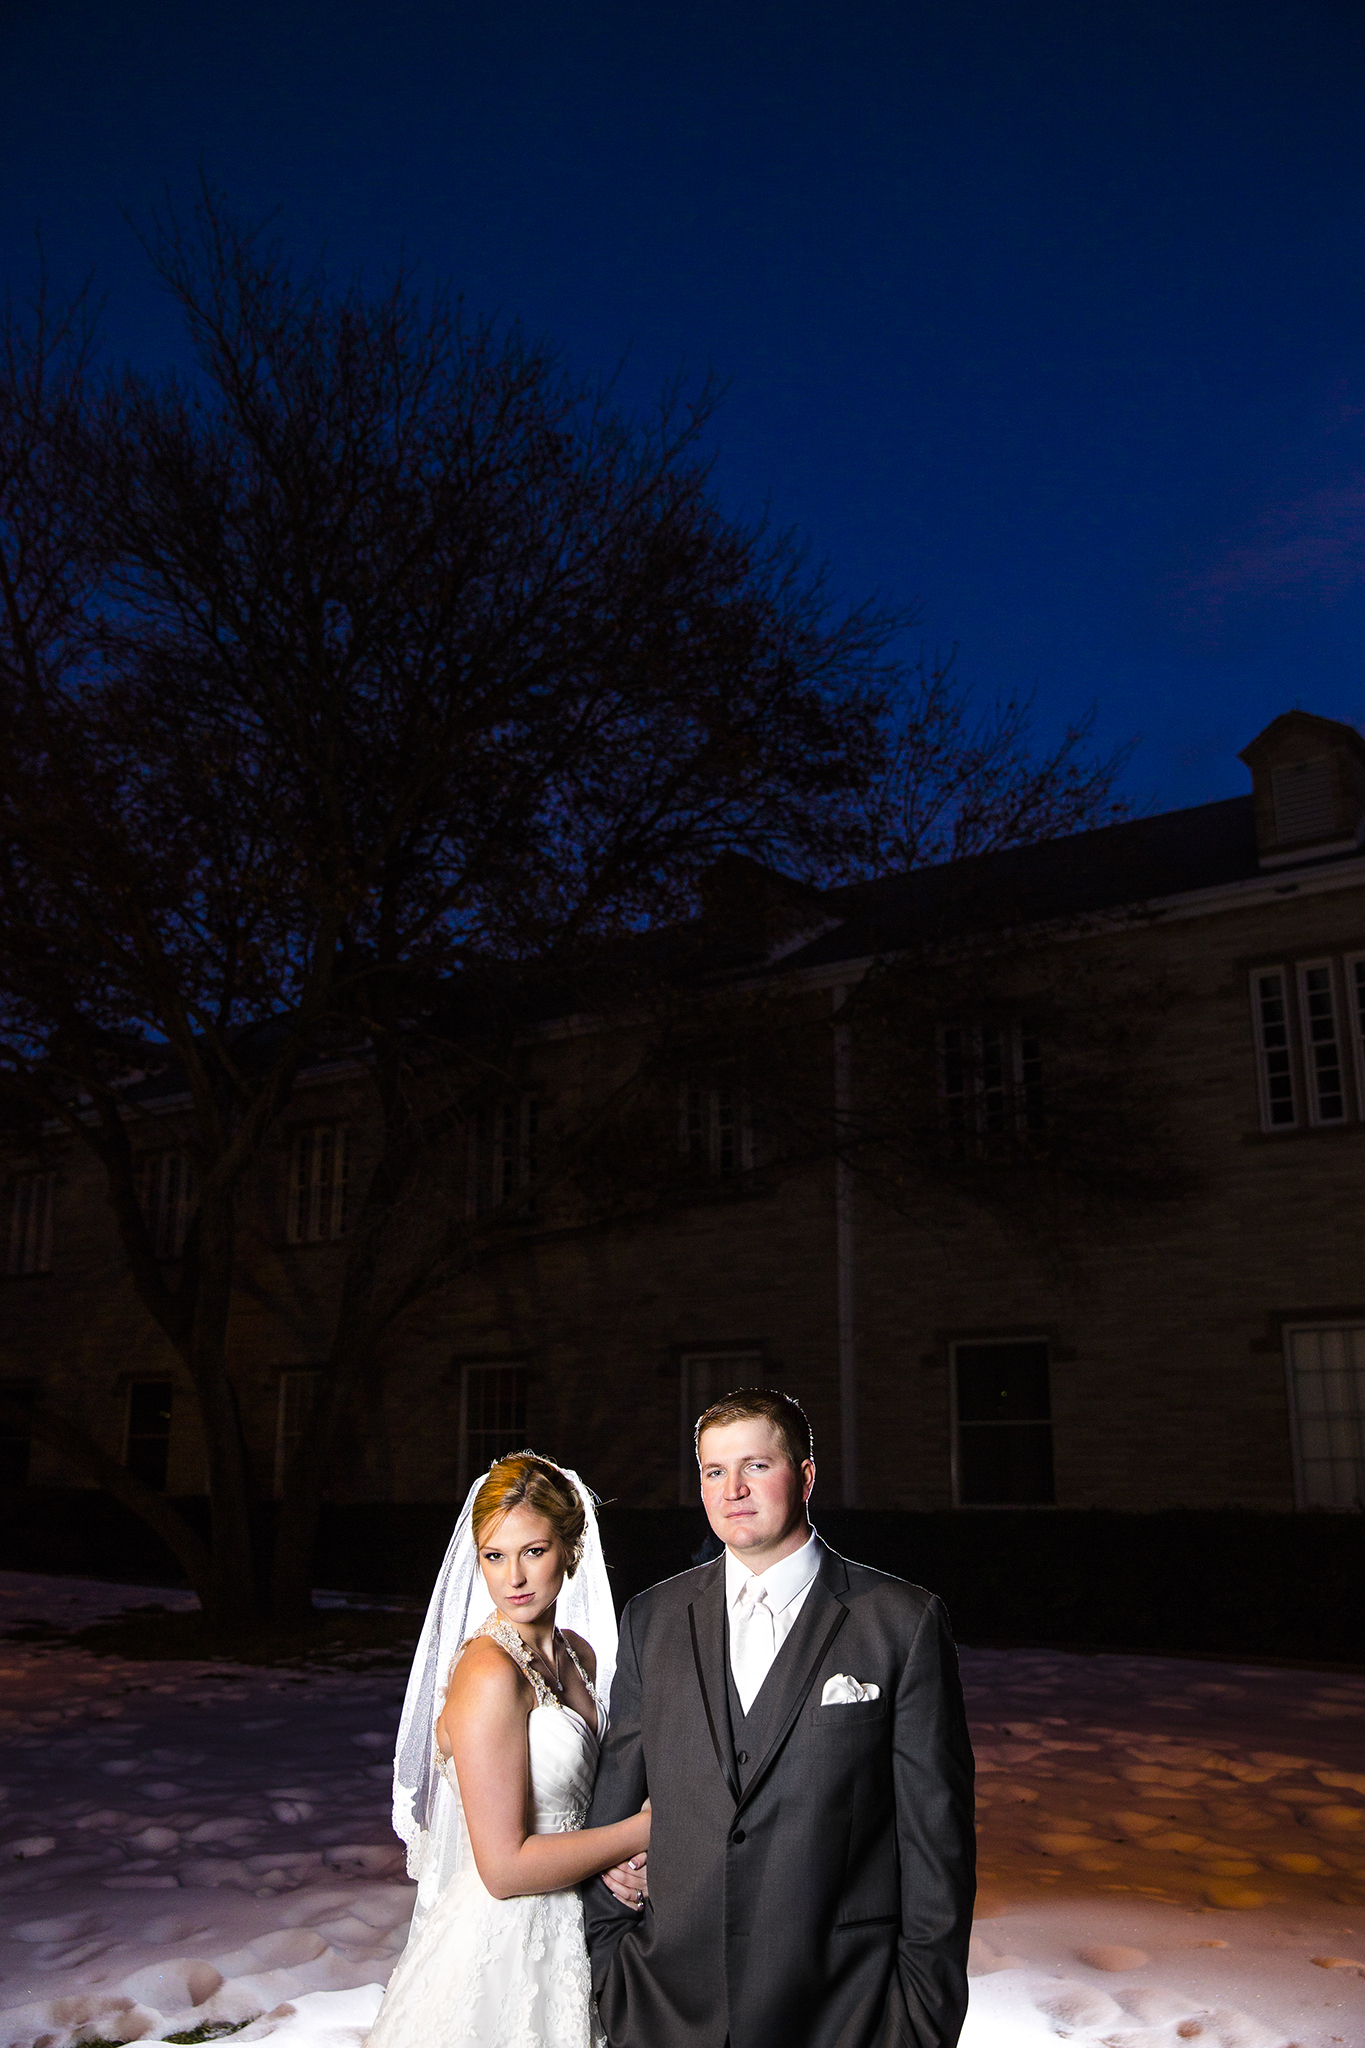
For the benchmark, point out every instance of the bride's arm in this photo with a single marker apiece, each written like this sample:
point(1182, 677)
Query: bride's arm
point(484, 1721)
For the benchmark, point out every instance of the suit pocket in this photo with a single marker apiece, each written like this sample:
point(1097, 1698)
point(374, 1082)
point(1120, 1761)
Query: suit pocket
point(852, 1714)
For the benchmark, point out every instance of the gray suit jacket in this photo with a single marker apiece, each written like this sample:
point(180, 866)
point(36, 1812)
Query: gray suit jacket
point(821, 1896)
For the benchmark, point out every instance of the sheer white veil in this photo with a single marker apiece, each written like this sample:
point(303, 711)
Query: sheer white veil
point(426, 1809)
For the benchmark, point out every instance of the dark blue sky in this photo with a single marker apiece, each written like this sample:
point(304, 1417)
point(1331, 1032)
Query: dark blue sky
point(1050, 318)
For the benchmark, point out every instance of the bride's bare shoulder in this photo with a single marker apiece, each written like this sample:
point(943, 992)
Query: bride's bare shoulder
point(485, 1676)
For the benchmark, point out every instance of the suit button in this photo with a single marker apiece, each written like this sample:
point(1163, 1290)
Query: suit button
point(738, 1835)
point(741, 1756)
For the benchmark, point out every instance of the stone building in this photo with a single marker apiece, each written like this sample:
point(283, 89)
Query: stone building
point(1203, 1347)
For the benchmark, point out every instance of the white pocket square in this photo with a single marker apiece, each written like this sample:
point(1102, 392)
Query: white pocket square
point(843, 1691)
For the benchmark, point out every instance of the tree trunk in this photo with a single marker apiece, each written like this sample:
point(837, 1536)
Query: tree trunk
point(234, 1596)
point(301, 1508)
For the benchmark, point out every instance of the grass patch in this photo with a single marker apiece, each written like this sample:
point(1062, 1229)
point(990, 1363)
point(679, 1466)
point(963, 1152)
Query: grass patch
point(212, 2030)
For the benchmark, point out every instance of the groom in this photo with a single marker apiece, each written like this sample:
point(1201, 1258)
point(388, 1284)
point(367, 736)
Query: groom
point(797, 1723)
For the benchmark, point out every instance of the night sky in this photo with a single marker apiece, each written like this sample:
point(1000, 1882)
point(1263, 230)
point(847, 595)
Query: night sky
point(1049, 318)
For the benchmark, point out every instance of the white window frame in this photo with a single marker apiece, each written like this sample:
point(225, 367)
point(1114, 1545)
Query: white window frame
point(1316, 1329)
point(747, 1361)
point(1353, 969)
point(1018, 1048)
point(703, 1125)
point(30, 1223)
point(1264, 1052)
point(480, 1367)
point(1308, 1042)
point(167, 1211)
point(294, 1402)
point(503, 1140)
point(317, 1213)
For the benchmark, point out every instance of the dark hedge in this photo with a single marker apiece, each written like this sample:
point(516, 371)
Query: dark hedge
point(1188, 1580)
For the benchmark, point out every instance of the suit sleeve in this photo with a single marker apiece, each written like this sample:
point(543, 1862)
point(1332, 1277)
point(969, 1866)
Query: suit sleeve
point(935, 1833)
point(621, 1790)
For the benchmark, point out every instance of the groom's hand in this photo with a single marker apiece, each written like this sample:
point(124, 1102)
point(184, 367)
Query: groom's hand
point(628, 1883)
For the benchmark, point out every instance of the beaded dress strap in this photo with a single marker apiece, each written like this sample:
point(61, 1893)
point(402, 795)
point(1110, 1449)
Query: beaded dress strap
point(506, 1637)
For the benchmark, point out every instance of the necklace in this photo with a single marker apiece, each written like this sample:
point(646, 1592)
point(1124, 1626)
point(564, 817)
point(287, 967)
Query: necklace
point(552, 1670)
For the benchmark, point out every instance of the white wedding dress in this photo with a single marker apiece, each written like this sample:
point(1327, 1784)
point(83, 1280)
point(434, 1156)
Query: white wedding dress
point(481, 1972)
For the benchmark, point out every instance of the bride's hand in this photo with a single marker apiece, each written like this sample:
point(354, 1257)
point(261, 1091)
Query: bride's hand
point(628, 1883)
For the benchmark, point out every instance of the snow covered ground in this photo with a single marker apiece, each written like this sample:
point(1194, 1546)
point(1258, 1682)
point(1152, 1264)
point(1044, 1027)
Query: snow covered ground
point(1172, 1851)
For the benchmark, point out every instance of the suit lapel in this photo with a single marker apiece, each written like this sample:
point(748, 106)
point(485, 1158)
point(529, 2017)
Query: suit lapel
point(706, 1617)
point(822, 1616)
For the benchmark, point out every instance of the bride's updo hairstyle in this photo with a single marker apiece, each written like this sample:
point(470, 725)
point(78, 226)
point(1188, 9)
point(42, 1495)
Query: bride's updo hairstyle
point(522, 1480)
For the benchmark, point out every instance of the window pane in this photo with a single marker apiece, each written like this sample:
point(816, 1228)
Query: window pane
point(149, 1431)
point(298, 1392)
point(495, 1413)
point(30, 1237)
point(1002, 1383)
point(953, 1052)
point(992, 1080)
point(1328, 1372)
point(1324, 1056)
point(1272, 1030)
point(14, 1441)
point(725, 1129)
point(1030, 1082)
point(1005, 1465)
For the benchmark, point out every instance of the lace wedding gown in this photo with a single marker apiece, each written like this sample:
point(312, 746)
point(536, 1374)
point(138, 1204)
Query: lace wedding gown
point(482, 1972)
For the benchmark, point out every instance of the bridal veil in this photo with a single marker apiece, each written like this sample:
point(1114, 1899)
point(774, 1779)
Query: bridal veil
point(426, 1810)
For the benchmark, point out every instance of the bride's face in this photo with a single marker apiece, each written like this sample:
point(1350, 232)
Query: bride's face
point(523, 1565)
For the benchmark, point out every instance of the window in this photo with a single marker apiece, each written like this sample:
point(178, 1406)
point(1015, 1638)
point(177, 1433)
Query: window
point(1003, 1418)
point(502, 1162)
point(165, 1192)
point(15, 1439)
point(1326, 1369)
point(319, 1172)
point(492, 1416)
point(1355, 1005)
point(1321, 1043)
point(1305, 797)
point(703, 1377)
point(714, 1134)
point(30, 1224)
point(298, 1392)
point(990, 1085)
point(149, 1431)
point(1270, 1012)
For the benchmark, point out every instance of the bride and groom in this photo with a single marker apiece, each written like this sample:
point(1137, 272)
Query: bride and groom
point(780, 1811)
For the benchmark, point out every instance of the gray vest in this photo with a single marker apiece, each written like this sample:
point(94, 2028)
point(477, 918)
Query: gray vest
point(749, 1733)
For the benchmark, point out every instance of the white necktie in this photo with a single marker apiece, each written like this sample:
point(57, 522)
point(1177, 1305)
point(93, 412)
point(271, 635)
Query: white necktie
point(753, 1641)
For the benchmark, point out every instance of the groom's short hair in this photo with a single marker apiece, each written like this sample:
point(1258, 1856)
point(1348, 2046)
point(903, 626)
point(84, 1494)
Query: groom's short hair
point(749, 1404)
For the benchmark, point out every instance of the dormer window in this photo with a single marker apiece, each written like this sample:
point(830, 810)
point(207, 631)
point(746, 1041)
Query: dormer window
point(1308, 789)
point(1305, 799)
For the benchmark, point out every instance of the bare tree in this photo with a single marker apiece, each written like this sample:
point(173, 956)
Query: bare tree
point(372, 652)
point(373, 688)
point(952, 781)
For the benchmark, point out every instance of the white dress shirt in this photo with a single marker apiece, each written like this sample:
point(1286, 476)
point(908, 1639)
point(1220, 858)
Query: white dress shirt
point(763, 1607)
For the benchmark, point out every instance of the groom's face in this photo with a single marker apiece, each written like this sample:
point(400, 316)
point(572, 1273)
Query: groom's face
point(754, 1496)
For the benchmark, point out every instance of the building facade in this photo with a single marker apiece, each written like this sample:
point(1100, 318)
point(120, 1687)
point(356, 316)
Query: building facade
point(1201, 1346)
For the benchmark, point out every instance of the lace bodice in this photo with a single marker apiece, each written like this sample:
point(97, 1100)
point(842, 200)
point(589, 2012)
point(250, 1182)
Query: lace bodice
point(508, 1973)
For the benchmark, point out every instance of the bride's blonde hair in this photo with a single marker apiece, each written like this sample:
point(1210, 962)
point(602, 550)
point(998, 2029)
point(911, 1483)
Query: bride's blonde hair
point(521, 1479)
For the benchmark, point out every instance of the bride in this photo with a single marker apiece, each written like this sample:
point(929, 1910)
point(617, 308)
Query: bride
point(497, 1753)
